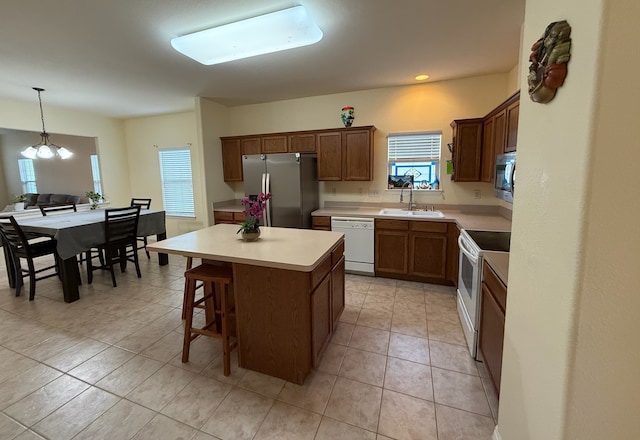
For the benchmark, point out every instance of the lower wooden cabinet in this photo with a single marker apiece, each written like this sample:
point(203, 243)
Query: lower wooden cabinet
point(321, 223)
point(414, 250)
point(228, 217)
point(321, 325)
point(492, 317)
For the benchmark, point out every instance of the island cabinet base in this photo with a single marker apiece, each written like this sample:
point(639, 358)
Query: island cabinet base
point(286, 317)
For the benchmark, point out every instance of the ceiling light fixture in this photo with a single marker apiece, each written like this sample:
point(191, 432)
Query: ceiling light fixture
point(267, 33)
point(422, 77)
point(45, 149)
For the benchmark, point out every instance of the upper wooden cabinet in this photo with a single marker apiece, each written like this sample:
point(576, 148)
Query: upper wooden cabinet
point(357, 154)
point(513, 112)
point(232, 160)
point(274, 144)
point(343, 153)
point(302, 143)
point(477, 142)
point(329, 149)
point(467, 149)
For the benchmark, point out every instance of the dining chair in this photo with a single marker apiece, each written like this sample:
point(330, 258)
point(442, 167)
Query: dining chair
point(144, 204)
point(21, 248)
point(120, 229)
point(57, 209)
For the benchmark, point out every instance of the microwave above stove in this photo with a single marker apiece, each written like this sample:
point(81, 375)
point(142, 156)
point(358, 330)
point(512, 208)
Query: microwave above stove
point(505, 176)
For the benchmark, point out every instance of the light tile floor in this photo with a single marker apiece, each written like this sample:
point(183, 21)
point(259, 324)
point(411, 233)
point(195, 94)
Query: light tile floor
point(108, 367)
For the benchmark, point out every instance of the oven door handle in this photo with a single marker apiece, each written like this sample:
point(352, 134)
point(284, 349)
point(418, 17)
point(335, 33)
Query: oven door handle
point(470, 256)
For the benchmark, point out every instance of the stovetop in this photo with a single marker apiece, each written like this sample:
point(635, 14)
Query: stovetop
point(491, 240)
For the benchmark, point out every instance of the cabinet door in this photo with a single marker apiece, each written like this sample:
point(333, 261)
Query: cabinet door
point(232, 160)
point(491, 335)
point(513, 112)
point(453, 253)
point(329, 147)
point(467, 150)
point(391, 251)
point(428, 255)
point(251, 145)
point(357, 155)
point(337, 291)
point(499, 132)
point(321, 325)
point(302, 143)
point(488, 156)
point(274, 144)
point(223, 217)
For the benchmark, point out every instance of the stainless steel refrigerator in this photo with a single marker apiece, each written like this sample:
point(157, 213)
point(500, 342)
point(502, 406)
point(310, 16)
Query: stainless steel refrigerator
point(291, 178)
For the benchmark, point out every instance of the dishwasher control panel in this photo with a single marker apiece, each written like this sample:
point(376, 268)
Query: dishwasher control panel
point(351, 223)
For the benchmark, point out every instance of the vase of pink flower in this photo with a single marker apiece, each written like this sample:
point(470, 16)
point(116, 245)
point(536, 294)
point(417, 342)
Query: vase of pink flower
point(253, 212)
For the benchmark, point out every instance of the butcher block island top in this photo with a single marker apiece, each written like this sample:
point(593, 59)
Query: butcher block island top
point(288, 289)
point(284, 248)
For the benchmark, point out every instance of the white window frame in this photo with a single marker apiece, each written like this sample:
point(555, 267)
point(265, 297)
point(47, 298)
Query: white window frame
point(95, 171)
point(28, 176)
point(176, 178)
point(422, 146)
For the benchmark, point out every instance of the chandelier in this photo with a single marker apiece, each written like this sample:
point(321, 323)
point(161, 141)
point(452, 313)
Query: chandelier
point(45, 149)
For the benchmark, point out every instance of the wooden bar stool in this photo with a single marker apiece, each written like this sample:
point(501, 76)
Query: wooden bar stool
point(217, 282)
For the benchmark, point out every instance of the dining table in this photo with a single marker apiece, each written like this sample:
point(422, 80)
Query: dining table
point(77, 232)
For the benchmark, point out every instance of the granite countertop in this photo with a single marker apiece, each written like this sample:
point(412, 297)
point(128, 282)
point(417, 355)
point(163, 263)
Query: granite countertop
point(499, 262)
point(283, 248)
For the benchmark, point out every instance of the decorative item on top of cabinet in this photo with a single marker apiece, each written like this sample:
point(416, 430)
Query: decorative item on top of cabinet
point(347, 116)
point(467, 149)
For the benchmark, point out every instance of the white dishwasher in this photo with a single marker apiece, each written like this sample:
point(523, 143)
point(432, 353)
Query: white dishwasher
point(358, 243)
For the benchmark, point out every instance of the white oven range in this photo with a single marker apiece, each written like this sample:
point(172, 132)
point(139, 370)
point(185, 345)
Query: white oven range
point(472, 245)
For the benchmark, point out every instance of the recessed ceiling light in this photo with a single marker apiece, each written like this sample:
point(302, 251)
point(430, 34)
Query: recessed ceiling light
point(422, 77)
point(267, 33)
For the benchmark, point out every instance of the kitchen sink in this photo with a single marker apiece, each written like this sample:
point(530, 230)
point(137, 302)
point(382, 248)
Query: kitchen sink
point(395, 212)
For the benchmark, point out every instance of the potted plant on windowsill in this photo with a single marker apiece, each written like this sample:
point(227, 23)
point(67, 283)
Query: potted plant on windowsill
point(94, 197)
point(18, 202)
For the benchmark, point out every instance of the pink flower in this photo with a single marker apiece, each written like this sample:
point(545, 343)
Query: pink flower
point(254, 211)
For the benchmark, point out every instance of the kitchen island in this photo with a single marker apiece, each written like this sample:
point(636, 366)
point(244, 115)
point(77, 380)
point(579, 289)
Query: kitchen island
point(288, 288)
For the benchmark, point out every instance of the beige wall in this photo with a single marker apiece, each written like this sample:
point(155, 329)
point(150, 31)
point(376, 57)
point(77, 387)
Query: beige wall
point(109, 133)
point(144, 136)
point(213, 122)
point(69, 176)
point(570, 367)
point(430, 106)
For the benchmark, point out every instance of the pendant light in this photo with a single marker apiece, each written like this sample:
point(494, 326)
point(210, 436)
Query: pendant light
point(45, 149)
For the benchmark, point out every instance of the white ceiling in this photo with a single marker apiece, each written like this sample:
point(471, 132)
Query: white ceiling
point(114, 57)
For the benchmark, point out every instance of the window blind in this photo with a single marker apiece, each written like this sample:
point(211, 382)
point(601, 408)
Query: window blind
point(177, 185)
point(407, 147)
point(27, 176)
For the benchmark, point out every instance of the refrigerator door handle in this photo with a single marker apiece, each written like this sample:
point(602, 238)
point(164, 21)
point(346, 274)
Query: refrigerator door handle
point(266, 183)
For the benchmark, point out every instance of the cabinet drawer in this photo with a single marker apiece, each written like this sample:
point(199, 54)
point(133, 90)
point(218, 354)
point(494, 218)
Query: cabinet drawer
point(495, 285)
point(238, 217)
point(223, 216)
point(427, 226)
point(336, 253)
point(320, 271)
point(397, 225)
point(321, 223)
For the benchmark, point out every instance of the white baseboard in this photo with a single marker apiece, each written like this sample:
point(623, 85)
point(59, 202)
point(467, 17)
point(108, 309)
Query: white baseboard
point(496, 434)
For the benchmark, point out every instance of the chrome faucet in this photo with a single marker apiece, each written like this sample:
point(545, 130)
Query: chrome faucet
point(410, 194)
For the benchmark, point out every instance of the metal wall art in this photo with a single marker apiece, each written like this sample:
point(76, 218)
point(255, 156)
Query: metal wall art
point(549, 58)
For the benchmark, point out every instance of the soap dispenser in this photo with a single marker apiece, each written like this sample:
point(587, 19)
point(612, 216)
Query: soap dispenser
point(436, 184)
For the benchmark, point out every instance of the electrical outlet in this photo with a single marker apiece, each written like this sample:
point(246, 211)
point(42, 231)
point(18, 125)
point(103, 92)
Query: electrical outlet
point(374, 193)
point(477, 194)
